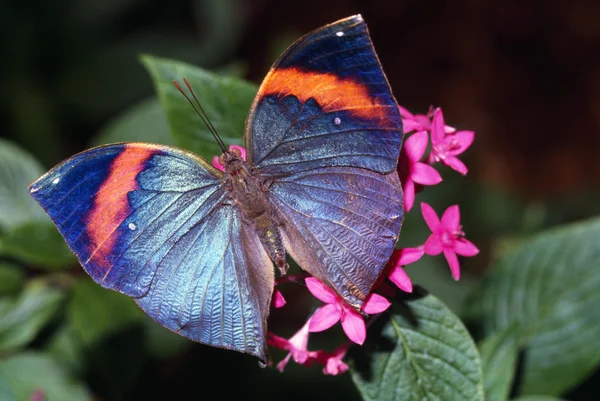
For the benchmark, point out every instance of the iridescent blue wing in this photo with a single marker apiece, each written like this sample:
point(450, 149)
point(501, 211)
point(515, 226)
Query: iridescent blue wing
point(326, 131)
point(340, 224)
point(154, 222)
point(325, 102)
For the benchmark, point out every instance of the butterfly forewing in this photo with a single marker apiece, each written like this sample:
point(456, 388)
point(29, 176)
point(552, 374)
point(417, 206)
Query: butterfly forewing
point(155, 223)
point(325, 102)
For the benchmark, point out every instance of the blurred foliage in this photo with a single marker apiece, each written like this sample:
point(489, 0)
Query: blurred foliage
point(72, 78)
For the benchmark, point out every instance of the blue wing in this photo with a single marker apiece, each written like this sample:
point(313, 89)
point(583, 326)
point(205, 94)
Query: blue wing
point(154, 222)
point(340, 224)
point(326, 130)
point(326, 102)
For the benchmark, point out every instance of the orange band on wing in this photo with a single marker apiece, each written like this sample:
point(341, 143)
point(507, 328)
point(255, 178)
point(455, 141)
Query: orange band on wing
point(330, 91)
point(111, 205)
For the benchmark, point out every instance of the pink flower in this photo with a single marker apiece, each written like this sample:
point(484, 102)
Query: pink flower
point(215, 162)
point(399, 259)
point(336, 309)
point(333, 361)
point(447, 237)
point(446, 146)
point(419, 122)
point(278, 299)
point(297, 346)
point(412, 171)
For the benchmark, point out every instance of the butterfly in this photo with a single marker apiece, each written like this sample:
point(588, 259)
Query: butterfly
point(197, 248)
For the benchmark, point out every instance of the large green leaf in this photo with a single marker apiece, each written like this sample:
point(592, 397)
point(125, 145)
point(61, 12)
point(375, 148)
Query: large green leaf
point(225, 100)
point(38, 244)
point(548, 287)
point(27, 373)
point(95, 312)
point(143, 122)
point(423, 352)
point(18, 169)
point(499, 354)
point(22, 317)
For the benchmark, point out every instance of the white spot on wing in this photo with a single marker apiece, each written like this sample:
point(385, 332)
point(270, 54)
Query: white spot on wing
point(340, 33)
point(337, 121)
point(132, 226)
point(56, 181)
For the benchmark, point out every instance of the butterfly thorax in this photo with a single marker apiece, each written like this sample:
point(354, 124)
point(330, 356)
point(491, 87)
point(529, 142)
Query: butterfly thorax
point(247, 192)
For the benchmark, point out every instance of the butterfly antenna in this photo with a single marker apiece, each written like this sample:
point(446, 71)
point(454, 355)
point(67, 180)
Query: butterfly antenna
point(201, 113)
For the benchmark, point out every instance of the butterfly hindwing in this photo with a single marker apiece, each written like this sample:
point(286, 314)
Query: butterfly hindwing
point(155, 223)
point(340, 224)
point(325, 102)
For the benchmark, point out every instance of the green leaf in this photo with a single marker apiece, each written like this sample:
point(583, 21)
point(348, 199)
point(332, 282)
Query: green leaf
point(225, 100)
point(18, 169)
point(11, 278)
point(38, 244)
point(95, 312)
point(22, 317)
point(548, 286)
point(143, 122)
point(499, 354)
point(537, 398)
point(27, 373)
point(424, 352)
point(66, 350)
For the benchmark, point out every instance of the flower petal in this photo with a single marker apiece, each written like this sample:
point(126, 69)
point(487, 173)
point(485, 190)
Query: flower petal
point(278, 299)
point(335, 366)
point(464, 247)
point(463, 139)
point(399, 277)
point(416, 145)
point(375, 303)
point(320, 290)
point(216, 164)
point(455, 164)
point(438, 127)
point(354, 326)
point(408, 193)
point(405, 113)
point(433, 245)
point(409, 255)
point(430, 217)
point(410, 125)
point(451, 218)
point(453, 262)
point(325, 317)
point(425, 174)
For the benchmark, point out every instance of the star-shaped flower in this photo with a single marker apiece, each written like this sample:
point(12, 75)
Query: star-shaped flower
point(297, 346)
point(337, 309)
point(447, 237)
point(419, 122)
point(446, 146)
point(399, 259)
point(411, 170)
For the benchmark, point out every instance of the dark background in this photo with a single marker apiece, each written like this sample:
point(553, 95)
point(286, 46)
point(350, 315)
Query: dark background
point(523, 74)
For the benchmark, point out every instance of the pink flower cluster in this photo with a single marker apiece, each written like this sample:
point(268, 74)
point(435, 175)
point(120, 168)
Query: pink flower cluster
point(445, 143)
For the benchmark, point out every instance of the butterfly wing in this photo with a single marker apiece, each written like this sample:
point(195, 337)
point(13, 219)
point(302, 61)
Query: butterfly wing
point(325, 102)
point(154, 223)
point(326, 130)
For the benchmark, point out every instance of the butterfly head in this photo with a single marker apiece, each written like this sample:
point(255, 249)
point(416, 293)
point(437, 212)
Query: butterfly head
point(231, 160)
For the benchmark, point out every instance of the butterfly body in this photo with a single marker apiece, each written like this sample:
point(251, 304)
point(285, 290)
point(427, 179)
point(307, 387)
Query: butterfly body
point(248, 192)
point(195, 247)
